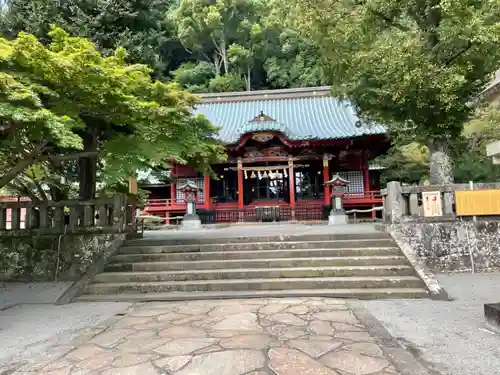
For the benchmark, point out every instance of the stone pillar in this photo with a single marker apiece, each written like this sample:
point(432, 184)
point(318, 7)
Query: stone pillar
point(240, 184)
point(326, 177)
point(291, 176)
point(394, 204)
point(448, 203)
point(414, 208)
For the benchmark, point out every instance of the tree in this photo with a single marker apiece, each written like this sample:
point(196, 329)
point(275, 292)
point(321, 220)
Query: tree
point(405, 162)
point(208, 28)
point(414, 65)
point(227, 83)
point(296, 62)
point(140, 26)
point(409, 161)
point(194, 77)
point(66, 101)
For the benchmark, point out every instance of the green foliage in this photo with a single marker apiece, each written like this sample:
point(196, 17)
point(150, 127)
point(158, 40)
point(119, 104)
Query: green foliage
point(414, 64)
point(245, 39)
point(139, 26)
point(209, 27)
point(226, 83)
point(54, 95)
point(194, 76)
point(409, 162)
point(295, 62)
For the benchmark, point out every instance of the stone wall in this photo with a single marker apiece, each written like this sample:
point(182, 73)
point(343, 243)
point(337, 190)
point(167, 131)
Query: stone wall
point(446, 246)
point(34, 257)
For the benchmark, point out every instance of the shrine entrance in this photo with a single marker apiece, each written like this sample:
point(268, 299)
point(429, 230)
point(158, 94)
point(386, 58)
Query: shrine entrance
point(266, 183)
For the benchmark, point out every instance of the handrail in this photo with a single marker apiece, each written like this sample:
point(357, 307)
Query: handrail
point(111, 214)
point(158, 202)
point(372, 194)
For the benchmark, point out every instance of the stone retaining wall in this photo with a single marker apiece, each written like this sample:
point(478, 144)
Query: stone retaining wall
point(447, 246)
point(34, 257)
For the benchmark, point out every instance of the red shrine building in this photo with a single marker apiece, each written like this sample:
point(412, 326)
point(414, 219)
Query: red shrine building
point(282, 146)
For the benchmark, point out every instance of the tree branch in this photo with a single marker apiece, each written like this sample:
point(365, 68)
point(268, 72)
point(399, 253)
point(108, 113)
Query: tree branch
point(388, 20)
point(22, 165)
point(458, 54)
point(77, 155)
point(23, 190)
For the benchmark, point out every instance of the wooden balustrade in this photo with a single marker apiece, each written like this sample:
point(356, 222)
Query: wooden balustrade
point(114, 214)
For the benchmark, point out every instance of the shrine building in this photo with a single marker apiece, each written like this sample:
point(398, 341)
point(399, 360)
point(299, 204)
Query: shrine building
point(282, 146)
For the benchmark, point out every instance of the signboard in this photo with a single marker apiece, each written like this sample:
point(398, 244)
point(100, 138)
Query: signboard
point(432, 204)
point(477, 202)
point(132, 185)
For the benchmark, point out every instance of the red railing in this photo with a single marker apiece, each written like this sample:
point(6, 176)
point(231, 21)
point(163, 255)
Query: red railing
point(159, 203)
point(7, 198)
point(363, 197)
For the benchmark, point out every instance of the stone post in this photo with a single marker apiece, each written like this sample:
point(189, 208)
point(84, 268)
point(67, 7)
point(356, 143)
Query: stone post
point(394, 205)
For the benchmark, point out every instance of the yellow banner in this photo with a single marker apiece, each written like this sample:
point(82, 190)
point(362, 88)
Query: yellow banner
point(477, 202)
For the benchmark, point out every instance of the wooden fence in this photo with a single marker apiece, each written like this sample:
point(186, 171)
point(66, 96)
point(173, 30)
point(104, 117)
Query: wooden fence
point(115, 214)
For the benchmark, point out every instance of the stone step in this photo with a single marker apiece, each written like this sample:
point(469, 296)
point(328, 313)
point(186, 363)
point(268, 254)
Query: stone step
point(244, 273)
point(159, 240)
point(358, 293)
point(313, 244)
point(256, 284)
point(388, 260)
point(252, 254)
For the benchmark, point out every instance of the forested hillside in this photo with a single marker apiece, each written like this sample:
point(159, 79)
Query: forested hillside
point(206, 46)
point(237, 45)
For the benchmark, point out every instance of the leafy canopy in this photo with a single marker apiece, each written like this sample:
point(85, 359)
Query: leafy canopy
point(414, 65)
point(139, 26)
point(53, 94)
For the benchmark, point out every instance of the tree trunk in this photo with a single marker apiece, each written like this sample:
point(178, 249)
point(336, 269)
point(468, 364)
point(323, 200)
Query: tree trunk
point(87, 166)
point(440, 163)
point(217, 64)
point(225, 59)
point(21, 166)
point(249, 79)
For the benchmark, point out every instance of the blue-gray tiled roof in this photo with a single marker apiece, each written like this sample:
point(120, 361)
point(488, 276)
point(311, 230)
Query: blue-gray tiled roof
point(300, 118)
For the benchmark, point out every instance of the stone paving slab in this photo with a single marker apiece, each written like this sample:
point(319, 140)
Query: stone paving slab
point(262, 229)
point(289, 336)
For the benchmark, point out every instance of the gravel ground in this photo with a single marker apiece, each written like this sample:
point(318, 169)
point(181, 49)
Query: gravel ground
point(18, 293)
point(451, 337)
point(30, 324)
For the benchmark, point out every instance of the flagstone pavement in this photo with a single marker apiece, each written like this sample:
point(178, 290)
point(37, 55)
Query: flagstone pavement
point(293, 336)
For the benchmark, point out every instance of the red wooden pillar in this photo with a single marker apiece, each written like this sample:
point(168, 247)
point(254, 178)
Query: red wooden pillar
point(208, 202)
point(326, 178)
point(366, 173)
point(291, 176)
point(173, 187)
point(240, 184)
point(173, 193)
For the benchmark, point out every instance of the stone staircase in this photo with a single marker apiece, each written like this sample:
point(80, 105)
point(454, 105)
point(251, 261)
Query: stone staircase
point(366, 266)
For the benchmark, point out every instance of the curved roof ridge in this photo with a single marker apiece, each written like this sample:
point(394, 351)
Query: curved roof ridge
point(263, 122)
point(320, 117)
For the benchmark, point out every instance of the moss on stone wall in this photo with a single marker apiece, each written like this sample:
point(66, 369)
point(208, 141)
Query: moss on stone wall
point(34, 257)
point(447, 246)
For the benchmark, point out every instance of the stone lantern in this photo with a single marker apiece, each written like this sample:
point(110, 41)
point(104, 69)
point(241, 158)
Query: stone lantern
point(191, 219)
point(339, 188)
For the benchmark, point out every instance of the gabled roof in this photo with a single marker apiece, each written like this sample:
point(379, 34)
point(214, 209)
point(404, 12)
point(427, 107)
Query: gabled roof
point(264, 123)
point(300, 114)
